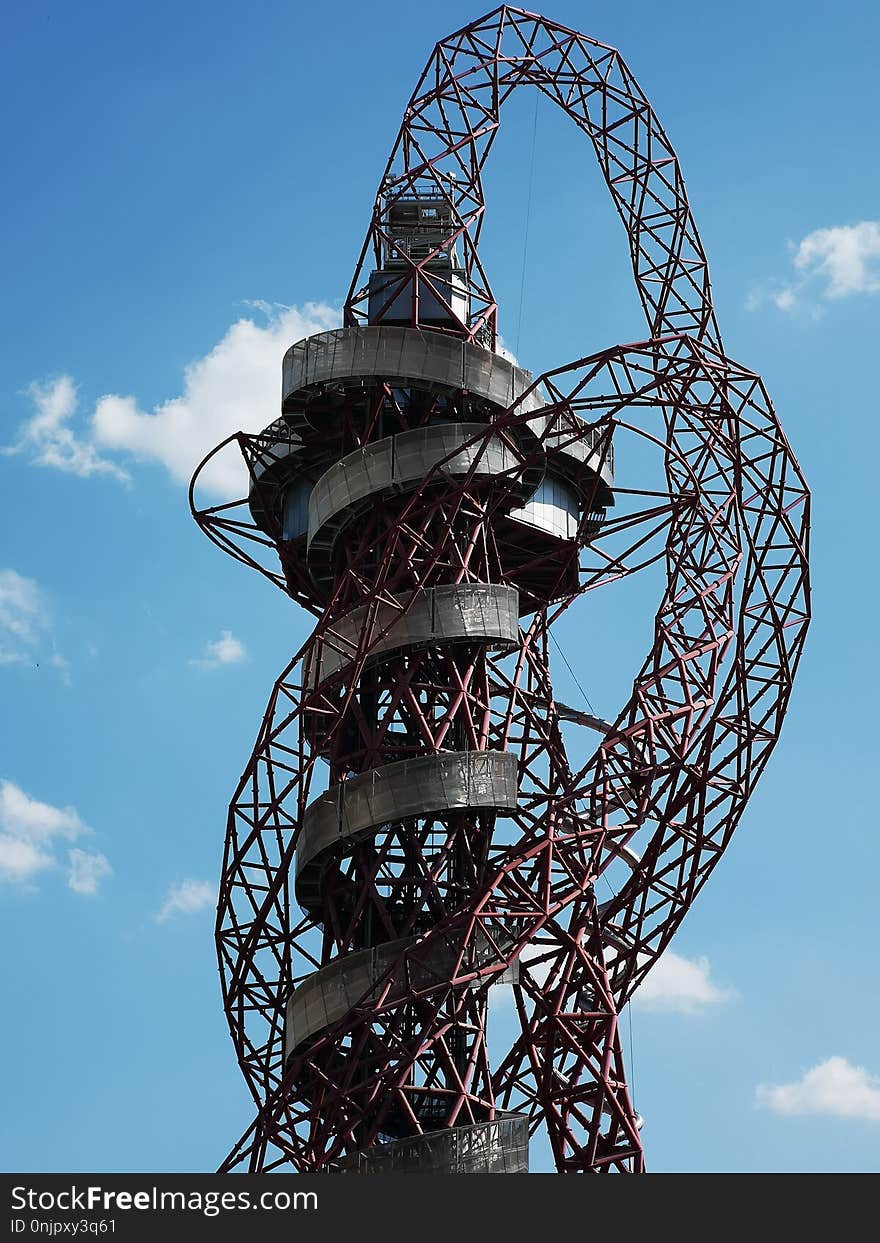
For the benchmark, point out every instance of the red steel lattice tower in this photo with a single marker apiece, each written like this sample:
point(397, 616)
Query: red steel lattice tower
point(411, 828)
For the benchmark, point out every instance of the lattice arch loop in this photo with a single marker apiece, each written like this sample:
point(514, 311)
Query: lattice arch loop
point(447, 133)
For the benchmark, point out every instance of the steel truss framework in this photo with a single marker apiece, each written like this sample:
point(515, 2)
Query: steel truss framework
point(458, 899)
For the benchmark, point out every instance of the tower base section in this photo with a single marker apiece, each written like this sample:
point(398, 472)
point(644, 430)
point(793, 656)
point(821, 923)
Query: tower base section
point(498, 1147)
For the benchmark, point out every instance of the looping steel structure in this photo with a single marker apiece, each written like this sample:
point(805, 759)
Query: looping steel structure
point(410, 828)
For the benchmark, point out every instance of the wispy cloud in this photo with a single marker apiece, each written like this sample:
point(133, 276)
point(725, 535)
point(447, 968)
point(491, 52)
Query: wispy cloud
point(680, 984)
point(27, 817)
point(185, 898)
point(30, 832)
point(25, 624)
point(48, 438)
point(21, 860)
point(23, 617)
point(227, 650)
point(86, 871)
point(829, 264)
point(235, 386)
point(832, 1088)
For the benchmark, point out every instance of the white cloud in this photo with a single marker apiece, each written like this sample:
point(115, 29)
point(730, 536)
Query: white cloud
point(830, 264)
point(23, 617)
point(227, 650)
point(235, 386)
point(49, 438)
point(21, 860)
point(24, 623)
point(28, 818)
point(834, 1088)
point(680, 984)
point(86, 871)
point(29, 830)
point(846, 257)
point(784, 300)
point(185, 898)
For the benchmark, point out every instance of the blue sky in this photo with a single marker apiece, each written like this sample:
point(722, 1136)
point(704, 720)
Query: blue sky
point(187, 191)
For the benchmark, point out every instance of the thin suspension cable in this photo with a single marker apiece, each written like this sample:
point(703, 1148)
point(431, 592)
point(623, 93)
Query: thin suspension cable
point(572, 672)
